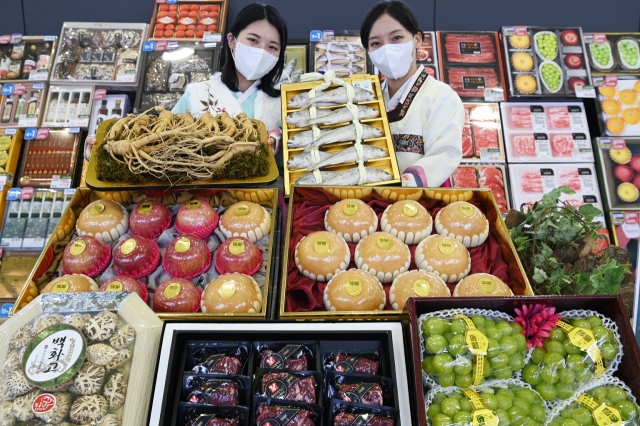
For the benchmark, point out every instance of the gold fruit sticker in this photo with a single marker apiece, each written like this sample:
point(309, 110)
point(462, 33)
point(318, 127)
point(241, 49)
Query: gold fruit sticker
point(604, 415)
point(172, 290)
point(586, 342)
point(410, 209)
point(5, 142)
point(226, 290)
point(128, 246)
point(446, 247)
point(236, 247)
point(115, 286)
point(466, 209)
point(78, 247)
point(350, 208)
point(484, 417)
point(182, 245)
point(145, 208)
point(354, 287)
point(487, 285)
point(384, 242)
point(96, 209)
point(193, 204)
point(321, 246)
point(478, 345)
point(421, 288)
point(60, 287)
point(241, 210)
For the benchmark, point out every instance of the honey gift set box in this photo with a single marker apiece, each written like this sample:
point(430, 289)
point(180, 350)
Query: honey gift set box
point(102, 345)
point(145, 242)
point(319, 230)
point(616, 367)
point(322, 362)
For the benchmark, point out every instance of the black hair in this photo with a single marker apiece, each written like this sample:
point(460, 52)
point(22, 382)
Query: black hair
point(397, 10)
point(248, 15)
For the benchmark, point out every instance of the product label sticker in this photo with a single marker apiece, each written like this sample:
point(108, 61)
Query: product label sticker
point(241, 210)
point(470, 48)
point(478, 345)
point(10, 131)
point(99, 94)
point(630, 223)
point(410, 209)
point(5, 39)
point(421, 288)
point(74, 130)
point(611, 80)
point(54, 356)
point(487, 285)
point(521, 30)
point(25, 121)
point(490, 155)
point(384, 242)
point(321, 245)
point(5, 143)
point(60, 287)
point(585, 91)
point(78, 247)
point(115, 286)
point(19, 89)
point(211, 37)
point(149, 46)
point(473, 82)
point(466, 209)
point(194, 204)
point(128, 246)
point(237, 247)
point(5, 309)
point(43, 134)
point(145, 208)
point(543, 147)
point(446, 247)
point(604, 415)
point(484, 417)
point(172, 290)
point(227, 289)
point(350, 208)
point(599, 38)
point(548, 180)
point(588, 181)
point(354, 287)
point(586, 342)
point(493, 94)
point(616, 143)
point(60, 182)
point(43, 403)
point(276, 359)
point(27, 193)
point(182, 245)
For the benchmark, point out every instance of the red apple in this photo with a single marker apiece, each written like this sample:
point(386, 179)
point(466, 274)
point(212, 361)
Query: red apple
point(136, 257)
point(86, 255)
point(196, 217)
point(124, 283)
point(187, 257)
point(623, 172)
point(238, 254)
point(177, 295)
point(635, 163)
point(149, 219)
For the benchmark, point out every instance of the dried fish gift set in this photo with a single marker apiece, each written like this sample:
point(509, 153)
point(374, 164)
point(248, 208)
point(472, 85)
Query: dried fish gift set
point(99, 52)
point(167, 70)
point(27, 58)
point(79, 358)
point(613, 53)
point(342, 53)
point(545, 61)
point(188, 20)
point(332, 128)
point(21, 104)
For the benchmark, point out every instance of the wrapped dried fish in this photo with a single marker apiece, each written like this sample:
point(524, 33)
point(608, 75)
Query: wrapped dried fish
point(156, 76)
point(130, 39)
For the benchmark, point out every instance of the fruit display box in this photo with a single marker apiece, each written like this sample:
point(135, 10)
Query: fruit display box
point(471, 63)
point(388, 163)
point(529, 182)
point(619, 162)
point(610, 306)
point(482, 134)
point(105, 54)
point(341, 52)
point(546, 132)
point(130, 310)
point(617, 105)
point(22, 104)
point(27, 58)
point(382, 341)
point(490, 176)
point(193, 20)
point(302, 297)
point(543, 61)
point(613, 53)
point(49, 156)
point(170, 67)
point(50, 261)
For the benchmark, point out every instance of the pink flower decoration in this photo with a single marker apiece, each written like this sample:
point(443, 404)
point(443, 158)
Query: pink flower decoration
point(537, 322)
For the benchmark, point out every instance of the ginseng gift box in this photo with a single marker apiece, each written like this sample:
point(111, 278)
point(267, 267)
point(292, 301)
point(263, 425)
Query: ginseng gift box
point(318, 342)
point(545, 61)
point(609, 306)
point(471, 63)
point(546, 132)
point(301, 297)
point(50, 266)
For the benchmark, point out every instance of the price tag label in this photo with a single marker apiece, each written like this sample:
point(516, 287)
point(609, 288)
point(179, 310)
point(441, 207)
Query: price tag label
point(611, 80)
point(577, 119)
point(126, 77)
point(587, 181)
point(11, 242)
point(493, 95)
point(38, 86)
point(74, 130)
point(631, 225)
point(599, 38)
point(79, 122)
point(548, 180)
point(26, 121)
point(521, 30)
point(538, 120)
point(10, 132)
point(490, 155)
point(543, 147)
point(617, 143)
point(26, 193)
point(211, 37)
point(585, 91)
point(19, 89)
point(49, 38)
point(3, 179)
point(597, 81)
point(33, 242)
point(69, 192)
point(99, 94)
point(60, 182)
point(39, 75)
point(30, 134)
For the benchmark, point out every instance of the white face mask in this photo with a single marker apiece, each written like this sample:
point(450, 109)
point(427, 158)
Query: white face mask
point(253, 63)
point(393, 60)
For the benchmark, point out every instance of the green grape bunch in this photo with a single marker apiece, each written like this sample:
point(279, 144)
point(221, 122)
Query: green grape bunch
point(629, 52)
point(448, 360)
point(577, 414)
point(601, 53)
point(513, 405)
point(552, 75)
point(558, 368)
point(547, 44)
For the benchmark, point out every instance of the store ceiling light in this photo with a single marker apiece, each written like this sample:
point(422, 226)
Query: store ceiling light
point(178, 54)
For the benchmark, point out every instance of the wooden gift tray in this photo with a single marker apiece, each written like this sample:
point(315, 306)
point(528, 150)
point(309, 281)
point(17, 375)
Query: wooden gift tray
point(51, 256)
point(94, 183)
point(388, 164)
point(436, 197)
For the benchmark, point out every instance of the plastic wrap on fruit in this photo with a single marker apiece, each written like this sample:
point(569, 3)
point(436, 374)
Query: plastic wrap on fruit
point(568, 349)
point(604, 399)
point(508, 402)
point(465, 347)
